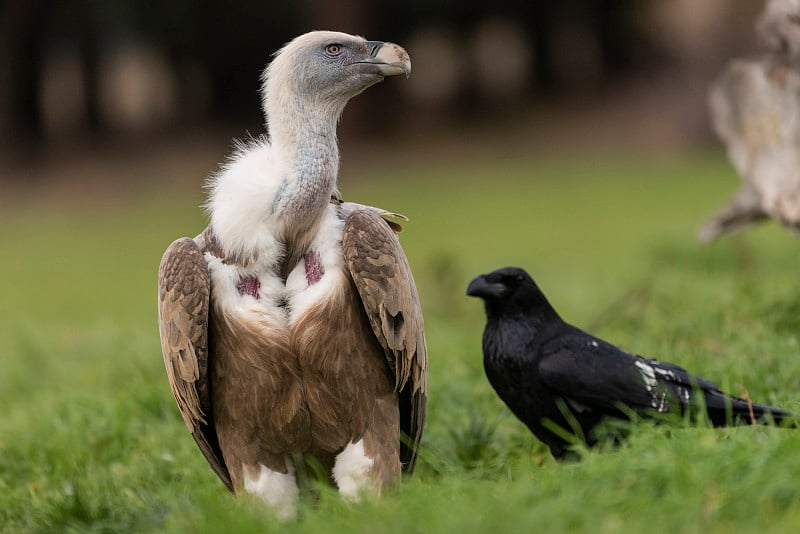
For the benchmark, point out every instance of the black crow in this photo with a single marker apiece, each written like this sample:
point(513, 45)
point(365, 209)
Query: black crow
point(555, 376)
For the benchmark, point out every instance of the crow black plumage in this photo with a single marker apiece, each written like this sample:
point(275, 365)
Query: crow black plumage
point(549, 372)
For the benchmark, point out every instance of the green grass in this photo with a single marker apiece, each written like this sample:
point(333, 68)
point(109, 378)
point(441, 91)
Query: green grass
point(91, 440)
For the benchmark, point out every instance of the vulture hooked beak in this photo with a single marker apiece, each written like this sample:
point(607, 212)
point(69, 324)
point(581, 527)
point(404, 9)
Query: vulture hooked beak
point(390, 59)
point(483, 288)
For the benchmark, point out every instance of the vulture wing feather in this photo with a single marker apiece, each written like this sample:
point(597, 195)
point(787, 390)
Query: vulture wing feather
point(382, 276)
point(183, 302)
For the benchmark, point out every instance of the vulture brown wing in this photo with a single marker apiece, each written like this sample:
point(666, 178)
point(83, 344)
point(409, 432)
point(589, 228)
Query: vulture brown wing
point(183, 301)
point(380, 271)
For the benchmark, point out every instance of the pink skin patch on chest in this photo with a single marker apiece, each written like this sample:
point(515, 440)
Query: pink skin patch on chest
point(314, 269)
point(248, 285)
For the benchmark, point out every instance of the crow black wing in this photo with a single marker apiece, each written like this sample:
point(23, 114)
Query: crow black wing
point(595, 374)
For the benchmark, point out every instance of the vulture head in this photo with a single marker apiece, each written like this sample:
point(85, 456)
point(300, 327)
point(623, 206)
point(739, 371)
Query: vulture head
point(325, 69)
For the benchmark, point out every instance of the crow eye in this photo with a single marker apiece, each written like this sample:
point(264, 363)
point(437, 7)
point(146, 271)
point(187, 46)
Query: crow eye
point(333, 49)
point(520, 278)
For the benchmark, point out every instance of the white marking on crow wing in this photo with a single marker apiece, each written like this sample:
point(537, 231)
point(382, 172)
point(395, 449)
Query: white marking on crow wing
point(648, 372)
point(683, 392)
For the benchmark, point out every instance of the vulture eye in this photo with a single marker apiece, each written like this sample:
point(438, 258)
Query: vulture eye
point(333, 49)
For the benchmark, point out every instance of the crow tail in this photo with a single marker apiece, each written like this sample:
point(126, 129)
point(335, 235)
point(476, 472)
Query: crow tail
point(724, 410)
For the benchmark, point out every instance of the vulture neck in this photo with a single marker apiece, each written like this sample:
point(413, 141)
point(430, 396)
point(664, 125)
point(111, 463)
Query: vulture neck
point(302, 132)
point(268, 202)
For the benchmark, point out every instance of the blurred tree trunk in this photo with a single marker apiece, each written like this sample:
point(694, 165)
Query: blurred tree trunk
point(21, 25)
point(88, 45)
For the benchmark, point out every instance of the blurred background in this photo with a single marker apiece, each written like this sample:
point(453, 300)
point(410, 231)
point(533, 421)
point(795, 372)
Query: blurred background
point(106, 92)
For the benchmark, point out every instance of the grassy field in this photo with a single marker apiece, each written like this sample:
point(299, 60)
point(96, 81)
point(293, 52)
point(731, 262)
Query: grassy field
point(91, 439)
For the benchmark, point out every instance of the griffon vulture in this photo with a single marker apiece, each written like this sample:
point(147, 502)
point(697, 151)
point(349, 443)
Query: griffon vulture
point(755, 110)
point(291, 326)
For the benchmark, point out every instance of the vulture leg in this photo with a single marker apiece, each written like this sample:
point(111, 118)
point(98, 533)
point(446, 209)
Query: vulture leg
point(278, 489)
point(373, 462)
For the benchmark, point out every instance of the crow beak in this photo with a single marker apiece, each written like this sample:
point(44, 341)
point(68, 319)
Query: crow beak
point(389, 58)
point(481, 287)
